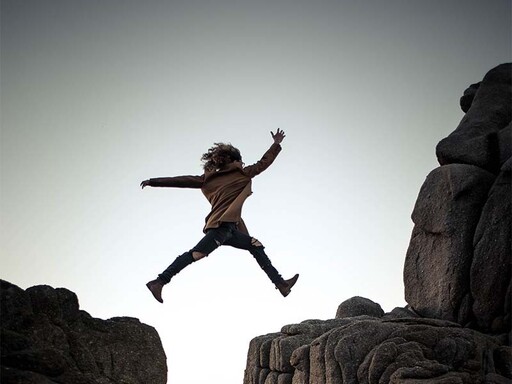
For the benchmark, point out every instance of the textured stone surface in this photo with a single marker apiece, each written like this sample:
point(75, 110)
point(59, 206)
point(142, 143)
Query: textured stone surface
point(358, 306)
point(46, 338)
point(438, 261)
point(456, 328)
point(504, 143)
point(475, 141)
point(491, 267)
point(374, 350)
point(467, 98)
point(477, 274)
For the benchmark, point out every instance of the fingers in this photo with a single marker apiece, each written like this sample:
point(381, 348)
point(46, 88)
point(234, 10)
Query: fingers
point(278, 136)
point(279, 132)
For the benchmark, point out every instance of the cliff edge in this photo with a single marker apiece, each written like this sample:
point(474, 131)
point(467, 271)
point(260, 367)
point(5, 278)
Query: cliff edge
point(47, 339)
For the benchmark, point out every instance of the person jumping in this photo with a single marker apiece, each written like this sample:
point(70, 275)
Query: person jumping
point(226, 183)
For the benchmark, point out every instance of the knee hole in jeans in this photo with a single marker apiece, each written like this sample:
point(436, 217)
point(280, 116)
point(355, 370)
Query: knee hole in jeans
point(256, 242)
point(198, 255)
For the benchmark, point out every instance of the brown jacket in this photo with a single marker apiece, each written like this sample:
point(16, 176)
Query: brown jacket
point(225, 189)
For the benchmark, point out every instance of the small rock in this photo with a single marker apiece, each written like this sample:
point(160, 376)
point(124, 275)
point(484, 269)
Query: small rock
point(359, 306)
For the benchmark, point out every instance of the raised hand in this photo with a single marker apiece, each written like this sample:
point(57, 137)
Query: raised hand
point(278, 136)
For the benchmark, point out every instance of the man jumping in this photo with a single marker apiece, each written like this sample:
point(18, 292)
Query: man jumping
point(226, 183)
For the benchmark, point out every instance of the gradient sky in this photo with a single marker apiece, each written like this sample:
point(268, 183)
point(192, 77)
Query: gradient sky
point(97, 96)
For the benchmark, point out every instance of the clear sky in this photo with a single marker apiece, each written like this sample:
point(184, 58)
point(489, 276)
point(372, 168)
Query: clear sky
point(97, 96)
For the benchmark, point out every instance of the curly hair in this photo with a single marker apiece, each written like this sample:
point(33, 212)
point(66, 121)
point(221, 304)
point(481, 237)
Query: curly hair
point(219, 155)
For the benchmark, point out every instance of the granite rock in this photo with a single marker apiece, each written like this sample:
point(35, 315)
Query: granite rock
point(46, 338)
point(456, 326)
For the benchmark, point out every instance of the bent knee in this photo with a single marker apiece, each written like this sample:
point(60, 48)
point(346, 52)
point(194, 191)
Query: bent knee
point(198, 255)
point(255, 242)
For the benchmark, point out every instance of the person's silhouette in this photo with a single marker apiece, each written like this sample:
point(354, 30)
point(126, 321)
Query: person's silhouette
point(226, 183)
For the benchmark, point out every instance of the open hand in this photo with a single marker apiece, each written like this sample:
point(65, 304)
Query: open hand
point(278, 136)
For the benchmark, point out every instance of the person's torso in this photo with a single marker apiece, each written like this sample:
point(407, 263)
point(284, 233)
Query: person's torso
point(223, 187)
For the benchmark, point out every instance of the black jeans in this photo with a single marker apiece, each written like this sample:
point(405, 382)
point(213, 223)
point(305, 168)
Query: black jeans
point(225, 234)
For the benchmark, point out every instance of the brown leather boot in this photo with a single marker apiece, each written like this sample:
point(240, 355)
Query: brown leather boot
point(155, 286)
point(285, 286)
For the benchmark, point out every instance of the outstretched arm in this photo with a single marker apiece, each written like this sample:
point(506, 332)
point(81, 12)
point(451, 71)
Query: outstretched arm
point(175, 182)
point(269, 156)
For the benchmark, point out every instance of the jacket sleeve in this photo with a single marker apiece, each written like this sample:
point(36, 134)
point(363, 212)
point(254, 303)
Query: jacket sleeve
point(177, 182)
point(267, 159)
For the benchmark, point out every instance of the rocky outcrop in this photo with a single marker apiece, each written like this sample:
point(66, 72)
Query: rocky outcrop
point(47, 339)
point(458, 265)
point(456, 327)
point(440, 254)
point(398, 347)
point(477, 139)
point(490, 274)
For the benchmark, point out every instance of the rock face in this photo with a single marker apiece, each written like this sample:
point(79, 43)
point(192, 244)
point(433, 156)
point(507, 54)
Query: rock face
point(438, 262)
point(477, 139)
point(458, 265)
point(47, 339)
point(456, 327)
point(395, 348)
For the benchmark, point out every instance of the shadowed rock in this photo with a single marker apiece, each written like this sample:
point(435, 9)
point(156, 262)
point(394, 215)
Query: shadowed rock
point(491, 267)
point(47, 339)
point(438, 261)
point(456, 328)
point(467, 98)
point(458, 265)
point(367, 349)
point(476, 140)
point(358, 306)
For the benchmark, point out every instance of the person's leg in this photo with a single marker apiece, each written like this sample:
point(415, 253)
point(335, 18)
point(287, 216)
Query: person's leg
point(242, 241)
point(211, 241)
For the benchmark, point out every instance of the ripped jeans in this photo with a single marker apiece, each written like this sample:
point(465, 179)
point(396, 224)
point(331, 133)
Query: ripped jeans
point(225, 234)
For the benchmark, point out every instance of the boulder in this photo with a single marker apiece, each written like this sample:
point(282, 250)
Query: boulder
point(467, 98)
point(374, 350)
point(46, 338)
point(438, 261)
point(456, 327)
point(476, 140)
point(358, 306)
point(458, 262)
point(490, 275)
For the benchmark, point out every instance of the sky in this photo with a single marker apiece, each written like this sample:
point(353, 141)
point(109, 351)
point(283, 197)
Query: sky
point(97, 96)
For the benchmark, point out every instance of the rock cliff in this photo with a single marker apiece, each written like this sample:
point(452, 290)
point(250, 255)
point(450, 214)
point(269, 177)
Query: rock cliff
point(456, 327)
point(47, 339)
